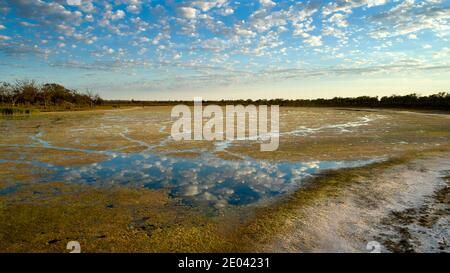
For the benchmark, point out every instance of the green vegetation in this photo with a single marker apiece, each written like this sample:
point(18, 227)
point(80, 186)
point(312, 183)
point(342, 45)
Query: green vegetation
point(439, 101)
point(103, 220)
point(10, 111)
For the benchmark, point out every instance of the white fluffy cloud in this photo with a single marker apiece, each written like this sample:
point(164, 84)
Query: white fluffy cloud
point(226, 11)
point(407, 18)
point(314, 40)
point(210, 34)
point(267, 3)
point(347, 5)
point(188, 12)
point(338, 19)
point(74, 2)
point(209, 4)
point(372, 3)
point(119, 14)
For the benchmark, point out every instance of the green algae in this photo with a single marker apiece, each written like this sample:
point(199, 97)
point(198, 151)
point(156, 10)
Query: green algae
point(44, 217)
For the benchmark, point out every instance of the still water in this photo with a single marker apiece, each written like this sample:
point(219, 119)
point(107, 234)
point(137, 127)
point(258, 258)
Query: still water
point(206, 178)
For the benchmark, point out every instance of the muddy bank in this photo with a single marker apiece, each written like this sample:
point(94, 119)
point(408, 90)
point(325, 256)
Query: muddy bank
point(420, 229)
point(405, 207)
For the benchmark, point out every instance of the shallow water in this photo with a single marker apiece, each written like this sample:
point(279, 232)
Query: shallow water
point(207, 179)
point(204, 179)
point(140, 153)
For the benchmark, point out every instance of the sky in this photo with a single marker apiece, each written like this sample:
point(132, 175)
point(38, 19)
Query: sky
point(225, 49)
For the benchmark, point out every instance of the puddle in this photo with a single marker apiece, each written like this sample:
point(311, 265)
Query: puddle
point(342, 128)
point(205, 179)
point(8, 190)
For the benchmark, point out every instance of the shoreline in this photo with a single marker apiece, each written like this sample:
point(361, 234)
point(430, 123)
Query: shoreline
point(38, 111)
point(343, 210)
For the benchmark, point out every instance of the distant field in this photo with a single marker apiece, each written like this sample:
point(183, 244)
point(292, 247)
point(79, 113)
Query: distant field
point(116, 181)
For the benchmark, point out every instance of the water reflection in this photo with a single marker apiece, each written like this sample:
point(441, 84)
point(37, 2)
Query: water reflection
point(207, 179)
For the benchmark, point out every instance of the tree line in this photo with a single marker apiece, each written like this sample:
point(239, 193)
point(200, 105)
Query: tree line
point(48, 95)
point(439, 101)
point(435, 101)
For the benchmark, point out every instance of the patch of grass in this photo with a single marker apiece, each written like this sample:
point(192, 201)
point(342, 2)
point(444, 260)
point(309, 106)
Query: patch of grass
point(44, 217)
point(13, 111)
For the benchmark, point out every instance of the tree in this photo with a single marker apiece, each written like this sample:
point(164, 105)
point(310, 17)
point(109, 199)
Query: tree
point(13, 93)
point(46, 94)
point(27, 91)
point(91, 96)
point(4, 92)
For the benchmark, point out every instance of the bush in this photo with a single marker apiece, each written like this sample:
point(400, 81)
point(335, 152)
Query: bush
point(46, 95)
point(10, 111)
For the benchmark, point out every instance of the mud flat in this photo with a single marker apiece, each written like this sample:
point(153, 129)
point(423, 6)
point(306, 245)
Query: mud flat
point(116, 181)
point(405, 206)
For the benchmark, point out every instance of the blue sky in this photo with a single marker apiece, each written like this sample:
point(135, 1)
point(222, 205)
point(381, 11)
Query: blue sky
point(229, 49)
